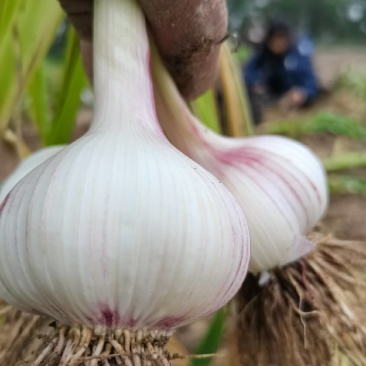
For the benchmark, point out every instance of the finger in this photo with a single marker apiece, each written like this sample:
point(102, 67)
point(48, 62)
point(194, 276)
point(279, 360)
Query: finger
point(188, 35)
point(80, 14)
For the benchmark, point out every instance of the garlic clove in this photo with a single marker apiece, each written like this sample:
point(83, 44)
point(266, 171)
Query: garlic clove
point(26, 166)
point(300, 247)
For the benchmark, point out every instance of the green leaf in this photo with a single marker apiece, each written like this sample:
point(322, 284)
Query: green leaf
point(8, 10)
point(73, 82)
point(337, 125)
point(205, 109)
point(242, 54)
point(235, 98)
point(26, 32)
point(347, 184)
point(345, 161)
point(38, 107)
point(211, 341)
point(319, 123)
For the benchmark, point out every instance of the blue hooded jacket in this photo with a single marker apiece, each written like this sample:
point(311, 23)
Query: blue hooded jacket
point(279, 74)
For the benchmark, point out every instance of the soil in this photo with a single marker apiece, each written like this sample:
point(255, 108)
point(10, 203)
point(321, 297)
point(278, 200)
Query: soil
point(330, 63)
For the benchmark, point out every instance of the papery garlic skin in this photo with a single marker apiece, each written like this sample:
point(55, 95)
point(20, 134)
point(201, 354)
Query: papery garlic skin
point(281, 186)
point(279, 183)
point(26, 166)
point(120, 229)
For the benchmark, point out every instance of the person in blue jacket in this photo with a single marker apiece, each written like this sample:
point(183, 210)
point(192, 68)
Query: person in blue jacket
point(281, 66)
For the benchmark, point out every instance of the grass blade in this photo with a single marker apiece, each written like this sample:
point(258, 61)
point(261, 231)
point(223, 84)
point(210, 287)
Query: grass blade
point(205, 108)
point(345, 161)
point(238, 115)
point(319, 123)
point(347, 184)
point(211, 341)
point(73, 82)
point(8, 10)
point(25, 39)
point(38, 107)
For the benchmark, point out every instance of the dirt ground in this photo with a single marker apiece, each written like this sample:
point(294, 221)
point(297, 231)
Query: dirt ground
point(330, 63)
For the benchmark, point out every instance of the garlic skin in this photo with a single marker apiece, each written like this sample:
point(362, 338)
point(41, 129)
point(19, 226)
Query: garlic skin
point(26, 166)
point(120, 229)
point(279, 183)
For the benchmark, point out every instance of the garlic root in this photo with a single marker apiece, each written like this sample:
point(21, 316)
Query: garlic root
point(74, 346)
point(17, 329)
point(310, 310)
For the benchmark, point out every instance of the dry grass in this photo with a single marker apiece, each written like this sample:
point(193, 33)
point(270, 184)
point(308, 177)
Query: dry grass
point(17, 330)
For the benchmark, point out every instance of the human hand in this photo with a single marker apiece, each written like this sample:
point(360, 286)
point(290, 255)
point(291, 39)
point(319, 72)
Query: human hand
point(259, 89)
point(297, 97)
point(188, 34)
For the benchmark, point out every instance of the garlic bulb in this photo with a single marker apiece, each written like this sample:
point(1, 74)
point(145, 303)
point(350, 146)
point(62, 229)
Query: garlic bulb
point(120, 229)
point(279, 183)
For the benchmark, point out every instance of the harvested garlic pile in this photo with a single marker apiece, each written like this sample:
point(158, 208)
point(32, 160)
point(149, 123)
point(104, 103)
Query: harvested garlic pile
point(119, 237)
point(279, 183)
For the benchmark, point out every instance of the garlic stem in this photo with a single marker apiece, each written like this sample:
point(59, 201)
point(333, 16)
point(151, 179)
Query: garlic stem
point(182, 129)
point(121, 68)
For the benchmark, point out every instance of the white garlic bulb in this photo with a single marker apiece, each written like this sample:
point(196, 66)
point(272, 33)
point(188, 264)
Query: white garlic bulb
point(120, 229)
point(279, 183)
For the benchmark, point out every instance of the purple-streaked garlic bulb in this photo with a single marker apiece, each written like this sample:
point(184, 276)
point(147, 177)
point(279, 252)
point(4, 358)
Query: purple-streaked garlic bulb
point(119, 231)
point(279, 183)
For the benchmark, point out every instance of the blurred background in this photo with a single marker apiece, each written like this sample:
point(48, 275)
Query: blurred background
point(45, 99)
point(337, 28)
point(328, 22)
